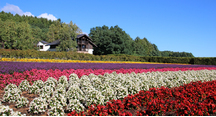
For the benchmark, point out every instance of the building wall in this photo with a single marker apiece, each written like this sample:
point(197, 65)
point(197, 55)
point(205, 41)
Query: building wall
point(89, 46)
point(51, 50)
point(44, 47)
point(90, 51)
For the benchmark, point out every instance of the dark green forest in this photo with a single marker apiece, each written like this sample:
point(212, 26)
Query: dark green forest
point(24, 32)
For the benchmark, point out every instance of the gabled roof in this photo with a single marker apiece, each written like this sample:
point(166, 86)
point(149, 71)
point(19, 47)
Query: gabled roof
point(57, 42)
point(44, 42)
point(92, 43)
point(81, 35)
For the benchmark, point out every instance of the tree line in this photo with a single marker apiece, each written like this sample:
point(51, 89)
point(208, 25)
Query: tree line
point(24, 32)
point(114, 40)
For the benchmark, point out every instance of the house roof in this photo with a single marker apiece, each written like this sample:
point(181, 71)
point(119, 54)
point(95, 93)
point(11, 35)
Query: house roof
point(92, 43)
point(81, 35)
point(57, 42)
point(44, 42)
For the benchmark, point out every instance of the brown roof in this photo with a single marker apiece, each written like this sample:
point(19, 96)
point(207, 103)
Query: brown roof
point(90, 40)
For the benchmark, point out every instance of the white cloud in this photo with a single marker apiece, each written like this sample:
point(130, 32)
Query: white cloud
point(16, 10)
point(28, 14)
point(84, 33)
point(48, 16)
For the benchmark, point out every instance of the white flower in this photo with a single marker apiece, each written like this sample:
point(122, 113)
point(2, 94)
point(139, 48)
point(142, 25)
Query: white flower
point(63, 80)
point(37, 85)
point(74, 79)
point(75, 104)
point(22, 101)
point(38, 105)
point(6, 111)
point(53, 79)
point(24, 85)
point(11, 95)
point(10, 87)
point(56, 111)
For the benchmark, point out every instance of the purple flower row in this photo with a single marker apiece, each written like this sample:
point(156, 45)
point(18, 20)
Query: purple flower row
point(10, 67)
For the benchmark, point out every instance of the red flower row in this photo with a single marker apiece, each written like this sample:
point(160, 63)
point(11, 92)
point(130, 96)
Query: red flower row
point(35, 74)
point(195, 98)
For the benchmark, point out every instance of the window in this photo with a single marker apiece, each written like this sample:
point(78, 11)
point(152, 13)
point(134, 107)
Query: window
point(52, 47)
point(83, 46)
point(40, 47)
point(83, 41)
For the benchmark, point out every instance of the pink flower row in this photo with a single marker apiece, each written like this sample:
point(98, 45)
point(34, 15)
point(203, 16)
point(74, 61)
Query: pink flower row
point(35, 74)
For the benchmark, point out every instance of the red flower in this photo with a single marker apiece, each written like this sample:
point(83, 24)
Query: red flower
point(185, 112)
point(200, 113)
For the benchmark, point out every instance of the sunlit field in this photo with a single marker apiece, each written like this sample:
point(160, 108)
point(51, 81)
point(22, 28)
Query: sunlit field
point(49, 87)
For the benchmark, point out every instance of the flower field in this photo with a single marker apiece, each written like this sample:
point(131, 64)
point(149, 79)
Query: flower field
point(70, 61)
point(106, 89)
point(11, 67)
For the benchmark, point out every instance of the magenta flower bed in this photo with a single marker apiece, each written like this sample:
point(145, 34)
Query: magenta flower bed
point(35, 74)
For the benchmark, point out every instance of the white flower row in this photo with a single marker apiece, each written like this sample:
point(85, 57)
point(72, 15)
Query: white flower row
point(12, 93)
point(7, 111)
point(78, 93)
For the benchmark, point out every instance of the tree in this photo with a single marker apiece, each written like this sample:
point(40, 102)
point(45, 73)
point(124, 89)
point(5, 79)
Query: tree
point(16, 35)
point(111, 40)
point(139, 47)
point(155, 51)
point(1, 38)
point(8, 33)
point(122, 41)
point(54, 32)
point(175, 54)
point(37, 33)
point(68, 34)
point(25, 39)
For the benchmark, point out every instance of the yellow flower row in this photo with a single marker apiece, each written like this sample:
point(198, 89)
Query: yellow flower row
point(75, 61)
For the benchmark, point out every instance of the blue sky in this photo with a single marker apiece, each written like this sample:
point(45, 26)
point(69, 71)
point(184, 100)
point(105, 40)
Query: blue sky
point(175, 25)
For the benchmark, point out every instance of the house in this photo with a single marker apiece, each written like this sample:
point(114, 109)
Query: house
point(45, 46)
point(42, 46)
point(84, 44)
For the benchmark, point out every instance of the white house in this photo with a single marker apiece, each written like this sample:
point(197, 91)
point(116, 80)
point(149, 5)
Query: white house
point(42, 46)
point(45, 46)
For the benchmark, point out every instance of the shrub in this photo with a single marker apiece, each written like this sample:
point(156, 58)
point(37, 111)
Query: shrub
point(81, 56)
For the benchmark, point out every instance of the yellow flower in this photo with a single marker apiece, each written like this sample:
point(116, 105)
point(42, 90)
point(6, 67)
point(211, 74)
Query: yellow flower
point(77, 61)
